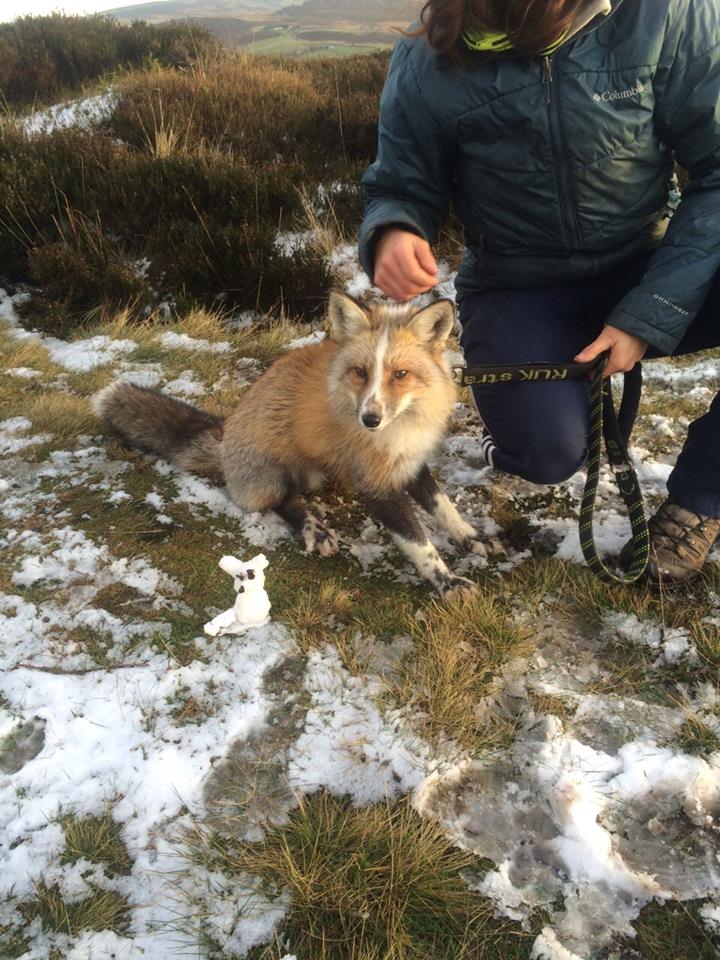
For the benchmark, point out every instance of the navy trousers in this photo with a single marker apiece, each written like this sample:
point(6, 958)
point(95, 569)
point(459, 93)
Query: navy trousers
point(540, 430)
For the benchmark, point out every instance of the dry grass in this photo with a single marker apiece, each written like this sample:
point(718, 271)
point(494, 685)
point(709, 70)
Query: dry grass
point(95, 838)
point(373, 882)
point(101, 910)
point(697, 738)
point(672, 931)
point(459, 651)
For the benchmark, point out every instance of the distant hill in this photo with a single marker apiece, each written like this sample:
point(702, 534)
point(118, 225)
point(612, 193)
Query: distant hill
point(306, 27)
point(366, 12)
point(160, 10)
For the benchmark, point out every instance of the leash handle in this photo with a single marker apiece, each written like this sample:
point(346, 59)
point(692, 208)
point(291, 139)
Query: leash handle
point(605, 424)
point(492, 373)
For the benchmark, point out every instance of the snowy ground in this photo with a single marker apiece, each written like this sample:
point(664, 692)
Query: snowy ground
point(604, 812)
point(86, 112)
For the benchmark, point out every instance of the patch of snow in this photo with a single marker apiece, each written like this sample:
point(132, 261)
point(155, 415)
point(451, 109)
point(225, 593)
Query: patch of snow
point(317, 336)
point(8, 312)
point(79, 356)
point(181, 341)
point(11, 443)
point(110, 739)
point(347, 744)
point(142, 374)
point(260, 530)
point(76, 558)
point(666, 372)
point(83, 113)
point(710, 916)
point(15, 425)
point(548, 947)
point(23, 373)
point(235, 913)
point(142, 268)
point(595, 827)
point(289, 243)
point(119, 496)
point(671, 643)
point(186, 385)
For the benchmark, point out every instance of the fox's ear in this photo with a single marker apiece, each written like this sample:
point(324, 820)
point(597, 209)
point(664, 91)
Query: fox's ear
point(347, 318)
point(432, 325)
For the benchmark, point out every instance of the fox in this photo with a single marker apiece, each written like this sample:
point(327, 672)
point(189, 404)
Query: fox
point(366, 407)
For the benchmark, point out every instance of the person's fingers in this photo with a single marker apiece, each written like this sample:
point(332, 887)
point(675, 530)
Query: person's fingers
point(402, 278)
point(393, 282)
point(594, 349)
point(405, 265)
point(396, 287)
point(425, 257)
point(612, 366)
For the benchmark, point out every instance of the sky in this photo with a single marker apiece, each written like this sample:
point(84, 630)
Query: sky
point(9, 9)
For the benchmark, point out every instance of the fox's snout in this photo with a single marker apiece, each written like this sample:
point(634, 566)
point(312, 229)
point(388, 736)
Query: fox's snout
point(371, 420)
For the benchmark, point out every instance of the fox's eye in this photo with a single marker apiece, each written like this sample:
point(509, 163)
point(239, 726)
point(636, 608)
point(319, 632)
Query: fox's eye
point(361, 372)
point(399, 374)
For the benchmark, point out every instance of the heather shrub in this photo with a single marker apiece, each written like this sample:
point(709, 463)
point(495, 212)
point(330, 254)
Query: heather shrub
point(43, 57)
point(192, 178)
point(317, 113)
point(241, 266)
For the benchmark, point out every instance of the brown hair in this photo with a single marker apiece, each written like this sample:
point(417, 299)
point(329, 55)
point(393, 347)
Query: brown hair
point(532, 25)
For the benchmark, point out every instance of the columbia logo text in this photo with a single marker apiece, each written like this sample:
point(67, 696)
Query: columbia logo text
point(608, 96)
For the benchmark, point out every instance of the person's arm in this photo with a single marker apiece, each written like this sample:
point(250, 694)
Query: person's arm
point(407, 190)
point(665, 302)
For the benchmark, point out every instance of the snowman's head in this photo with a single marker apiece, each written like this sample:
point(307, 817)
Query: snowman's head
point(247, 576)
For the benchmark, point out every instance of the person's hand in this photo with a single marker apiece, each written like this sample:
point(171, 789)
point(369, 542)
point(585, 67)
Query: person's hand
point(625, 350)
point(404, 264)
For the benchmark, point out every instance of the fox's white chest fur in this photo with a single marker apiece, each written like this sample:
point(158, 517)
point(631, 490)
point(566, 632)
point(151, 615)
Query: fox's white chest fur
point(408, 445)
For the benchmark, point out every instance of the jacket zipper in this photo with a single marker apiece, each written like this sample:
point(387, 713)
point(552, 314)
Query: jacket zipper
point(566, 199)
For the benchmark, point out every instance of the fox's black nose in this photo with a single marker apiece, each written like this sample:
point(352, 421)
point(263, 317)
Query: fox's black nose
point(371, 420)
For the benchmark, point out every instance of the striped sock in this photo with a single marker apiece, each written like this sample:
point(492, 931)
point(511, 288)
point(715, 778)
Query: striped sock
point(488, 448)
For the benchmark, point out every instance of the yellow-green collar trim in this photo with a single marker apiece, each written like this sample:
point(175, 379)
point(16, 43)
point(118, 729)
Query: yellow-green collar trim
point(489, 42)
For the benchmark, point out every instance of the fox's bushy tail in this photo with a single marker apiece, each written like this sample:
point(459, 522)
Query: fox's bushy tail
point(172, 429)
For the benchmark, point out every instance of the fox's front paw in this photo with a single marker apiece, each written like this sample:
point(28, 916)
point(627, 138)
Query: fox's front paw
point(457, 588)
point(320, 538)
point(494, 548)
point(481, 548)
point(469, 545)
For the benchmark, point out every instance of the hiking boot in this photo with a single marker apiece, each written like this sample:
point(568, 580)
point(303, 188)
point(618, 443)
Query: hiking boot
point(680, 542)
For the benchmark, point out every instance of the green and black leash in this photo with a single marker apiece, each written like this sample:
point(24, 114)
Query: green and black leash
point(605, 422)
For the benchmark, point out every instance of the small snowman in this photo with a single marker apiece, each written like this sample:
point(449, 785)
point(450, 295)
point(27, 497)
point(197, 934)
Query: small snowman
point(252, 604)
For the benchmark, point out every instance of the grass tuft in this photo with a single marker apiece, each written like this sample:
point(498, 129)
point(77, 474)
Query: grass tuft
point(672, 931)
point(696, 738)
point(101, 910)
point(459, 651)
point(370, 882)
point(95, 838)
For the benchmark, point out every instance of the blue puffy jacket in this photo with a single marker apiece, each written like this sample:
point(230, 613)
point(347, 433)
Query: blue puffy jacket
point(561, 167)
